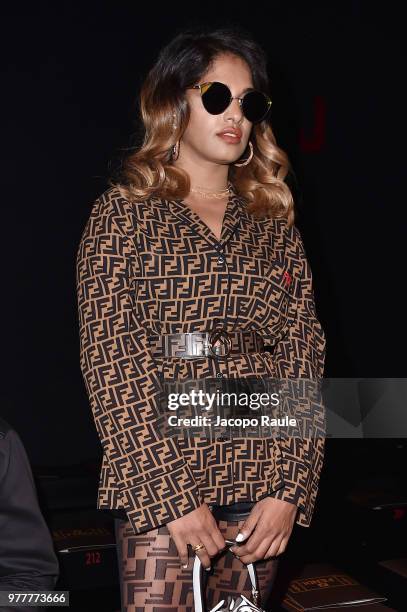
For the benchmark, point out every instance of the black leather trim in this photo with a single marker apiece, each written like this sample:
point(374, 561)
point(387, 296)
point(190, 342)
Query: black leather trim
point(232, 512)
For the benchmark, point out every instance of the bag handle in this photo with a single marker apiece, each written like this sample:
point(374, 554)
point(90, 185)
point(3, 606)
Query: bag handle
point(197, 583)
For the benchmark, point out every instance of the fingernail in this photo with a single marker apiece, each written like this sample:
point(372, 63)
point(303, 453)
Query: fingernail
point(185, 566)
point(208, 569)
point(240, 537)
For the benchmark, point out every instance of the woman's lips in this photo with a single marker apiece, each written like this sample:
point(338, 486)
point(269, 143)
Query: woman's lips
point(229, 139)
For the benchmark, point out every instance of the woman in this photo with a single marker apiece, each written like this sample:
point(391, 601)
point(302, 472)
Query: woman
point(191, 268)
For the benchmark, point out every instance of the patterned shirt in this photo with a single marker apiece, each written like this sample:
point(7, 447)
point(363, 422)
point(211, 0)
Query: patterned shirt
point(154, 267)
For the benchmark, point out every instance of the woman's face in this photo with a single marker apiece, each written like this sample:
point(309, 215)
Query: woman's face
point(200, 139)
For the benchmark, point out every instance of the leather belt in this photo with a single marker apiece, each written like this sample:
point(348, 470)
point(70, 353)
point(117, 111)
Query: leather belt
point(215, 343)
point(232, 512)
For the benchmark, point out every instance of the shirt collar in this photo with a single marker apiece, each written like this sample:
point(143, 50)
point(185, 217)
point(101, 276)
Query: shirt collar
point(234, 209)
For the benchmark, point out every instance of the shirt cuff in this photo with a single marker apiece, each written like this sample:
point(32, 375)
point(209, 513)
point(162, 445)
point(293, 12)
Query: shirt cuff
point(162, 499)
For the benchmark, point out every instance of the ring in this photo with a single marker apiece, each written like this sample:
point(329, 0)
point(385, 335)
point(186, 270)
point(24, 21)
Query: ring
point(198, 547)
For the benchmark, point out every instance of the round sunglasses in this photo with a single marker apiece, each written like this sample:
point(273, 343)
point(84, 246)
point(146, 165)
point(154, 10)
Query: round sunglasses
point(216, 97)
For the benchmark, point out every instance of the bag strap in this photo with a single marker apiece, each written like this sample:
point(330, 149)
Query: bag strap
point(199, 603)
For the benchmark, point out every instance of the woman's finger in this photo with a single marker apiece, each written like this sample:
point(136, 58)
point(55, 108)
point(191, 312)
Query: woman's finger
point(262, 533)
point(282, 546)
point(209, 540)
point(274, 549)
point(182, 549)
point(248, 526)
point(256, 556)
point(202, 554)
point(217, 537)
point(256, 551)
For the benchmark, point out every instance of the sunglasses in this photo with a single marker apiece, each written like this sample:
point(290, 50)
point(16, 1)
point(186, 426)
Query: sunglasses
point(216, 97)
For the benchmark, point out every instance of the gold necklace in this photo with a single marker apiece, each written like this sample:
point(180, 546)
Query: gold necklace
point(211, 194)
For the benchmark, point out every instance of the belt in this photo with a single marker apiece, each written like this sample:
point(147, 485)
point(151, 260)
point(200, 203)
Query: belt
point(232, 512)
point(215, 343)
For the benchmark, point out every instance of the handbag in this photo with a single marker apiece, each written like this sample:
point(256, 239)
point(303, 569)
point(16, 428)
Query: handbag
point(231, 604)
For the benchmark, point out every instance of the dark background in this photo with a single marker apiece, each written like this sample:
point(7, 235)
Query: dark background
point(70, 82)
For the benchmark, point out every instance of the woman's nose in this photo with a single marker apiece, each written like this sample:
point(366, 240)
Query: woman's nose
point(234, 109)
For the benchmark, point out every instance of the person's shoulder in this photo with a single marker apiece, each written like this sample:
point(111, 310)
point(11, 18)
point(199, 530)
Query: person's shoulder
point(8, 433)
point(276, 228)
point(112, 201)
point(10, 444)
point(284, 228)
point(278, 225)
point(286, 238)
point(5, 428)
point(116, 201)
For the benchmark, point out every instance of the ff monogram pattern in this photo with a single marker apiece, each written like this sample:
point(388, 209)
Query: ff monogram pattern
point(151, 577)
point(154, 267)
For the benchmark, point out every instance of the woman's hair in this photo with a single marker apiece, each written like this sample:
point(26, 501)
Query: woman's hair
point(148, 170)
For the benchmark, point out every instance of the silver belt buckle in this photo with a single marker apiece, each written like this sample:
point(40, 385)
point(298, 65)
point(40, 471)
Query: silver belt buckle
point(223, 336)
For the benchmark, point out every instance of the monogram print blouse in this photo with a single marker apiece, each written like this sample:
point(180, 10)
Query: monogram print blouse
point(154, 267)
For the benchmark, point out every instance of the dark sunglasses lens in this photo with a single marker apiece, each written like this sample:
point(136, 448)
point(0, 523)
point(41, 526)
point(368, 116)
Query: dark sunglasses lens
point(215, 97)
point(255, 106)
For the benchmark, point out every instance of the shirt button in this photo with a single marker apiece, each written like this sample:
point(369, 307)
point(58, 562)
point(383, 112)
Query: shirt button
point(221, 260)
point(219, 375)
point(222, 439)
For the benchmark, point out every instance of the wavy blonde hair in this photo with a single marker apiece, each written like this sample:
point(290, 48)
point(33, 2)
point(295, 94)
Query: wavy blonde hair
point(149, 170)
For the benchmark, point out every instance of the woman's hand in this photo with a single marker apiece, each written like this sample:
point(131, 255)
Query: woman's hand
point(269, 526)
point(198, 526)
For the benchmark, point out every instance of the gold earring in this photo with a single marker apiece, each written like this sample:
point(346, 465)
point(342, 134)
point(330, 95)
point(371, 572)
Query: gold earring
point(248, 160)
point(175, 148)
point(175, 151)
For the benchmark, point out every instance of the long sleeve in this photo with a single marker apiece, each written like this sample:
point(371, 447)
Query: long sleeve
point(300, 354)
point(155, 483)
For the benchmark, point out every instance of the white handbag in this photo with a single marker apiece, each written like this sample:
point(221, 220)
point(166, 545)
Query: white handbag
point(241, 603)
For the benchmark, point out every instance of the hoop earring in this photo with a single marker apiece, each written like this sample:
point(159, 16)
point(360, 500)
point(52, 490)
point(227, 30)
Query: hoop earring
point(248, 160)
point(175, 151)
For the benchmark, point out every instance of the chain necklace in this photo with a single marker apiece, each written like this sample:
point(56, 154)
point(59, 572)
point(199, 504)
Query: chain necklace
point(211, 194)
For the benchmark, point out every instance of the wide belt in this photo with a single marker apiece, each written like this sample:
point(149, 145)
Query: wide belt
point(215, 343)
point(232, 512)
